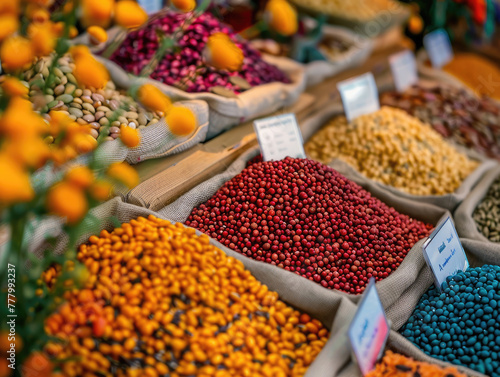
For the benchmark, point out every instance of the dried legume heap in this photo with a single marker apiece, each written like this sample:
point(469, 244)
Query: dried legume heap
point(478, 73)
point(487, 213)
point(455, 113)
point(307, 218)
point(462, 324)
point(394, 148)
point(93, 107)
point(162, 301)
point(174, 68)
point(396, 365)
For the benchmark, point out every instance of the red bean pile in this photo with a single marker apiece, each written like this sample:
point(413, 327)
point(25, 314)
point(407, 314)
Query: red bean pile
point(305, 217)
point(140, 46)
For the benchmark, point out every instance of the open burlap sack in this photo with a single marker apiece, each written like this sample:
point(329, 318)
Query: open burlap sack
point(390, 288)
point(155, 141)
point(228, 112)
point(466, 226)
point(302, 294)
point(358, 51)
point(478, 254)
point(448, 201)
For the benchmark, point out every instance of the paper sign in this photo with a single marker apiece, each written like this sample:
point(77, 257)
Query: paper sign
point(359, 95)
point(279, 137)
point(404, 70)
point(369, 329)
point(151, 6)
point(438, 47)
point(444, 253)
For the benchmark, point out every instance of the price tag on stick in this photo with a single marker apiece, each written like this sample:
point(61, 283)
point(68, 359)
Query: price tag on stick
point(444, 253)
point(359, 95)
point(438, 47)
point(279, 137)
point(369, 329)
point(404, 69)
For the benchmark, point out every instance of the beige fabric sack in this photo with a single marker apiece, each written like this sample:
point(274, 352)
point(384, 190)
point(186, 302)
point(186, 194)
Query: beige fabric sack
point(478, 254)
point(360, 47)
point(225, 113)
point(390, 288)
point(448, 201)
point(466, 226)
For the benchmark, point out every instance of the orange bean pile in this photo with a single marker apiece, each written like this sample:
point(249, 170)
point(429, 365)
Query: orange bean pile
point(162, 301)
point(396, 365)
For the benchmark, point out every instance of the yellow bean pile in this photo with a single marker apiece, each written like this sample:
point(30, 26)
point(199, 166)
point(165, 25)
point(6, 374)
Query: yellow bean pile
point(161, 301)
point(393, 148)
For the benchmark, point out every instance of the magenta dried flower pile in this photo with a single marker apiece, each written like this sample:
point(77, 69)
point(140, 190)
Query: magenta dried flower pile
point(185, 66)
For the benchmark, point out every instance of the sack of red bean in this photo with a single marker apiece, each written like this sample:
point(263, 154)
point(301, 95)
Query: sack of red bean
point(233, 96)
point(478, 217)
point(306, 218)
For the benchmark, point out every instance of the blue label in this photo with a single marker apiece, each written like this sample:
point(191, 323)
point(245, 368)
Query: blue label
point(438, 47)
point(369, 330)
point(404, 70)
point(444, 253)
point(279, 137)
point(359, 95)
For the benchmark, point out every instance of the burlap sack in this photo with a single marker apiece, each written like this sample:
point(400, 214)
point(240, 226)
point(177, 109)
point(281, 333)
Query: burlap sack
point(359, 49)
point(156, 141)
point(304, 295)
point(228, 112)
point(390, 288)
point(466, 226)
point(478, 254)
point(448, 201)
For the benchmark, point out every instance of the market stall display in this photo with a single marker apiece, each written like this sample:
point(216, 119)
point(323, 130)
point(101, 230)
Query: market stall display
point(458, 325)
point(305, 217)
point(454, 113)
point(248, 254)
point(395, 149)
point(161, 299)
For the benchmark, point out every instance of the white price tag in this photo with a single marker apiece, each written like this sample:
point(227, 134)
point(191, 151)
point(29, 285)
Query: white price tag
point(444, 253)
point(369, 330)
point(359, 95)
point(438, 47)
point(404, 69)
point(279, 137)
point(151, 6)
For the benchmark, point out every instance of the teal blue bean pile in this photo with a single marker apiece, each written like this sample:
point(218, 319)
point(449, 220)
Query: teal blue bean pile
point(462, 324)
